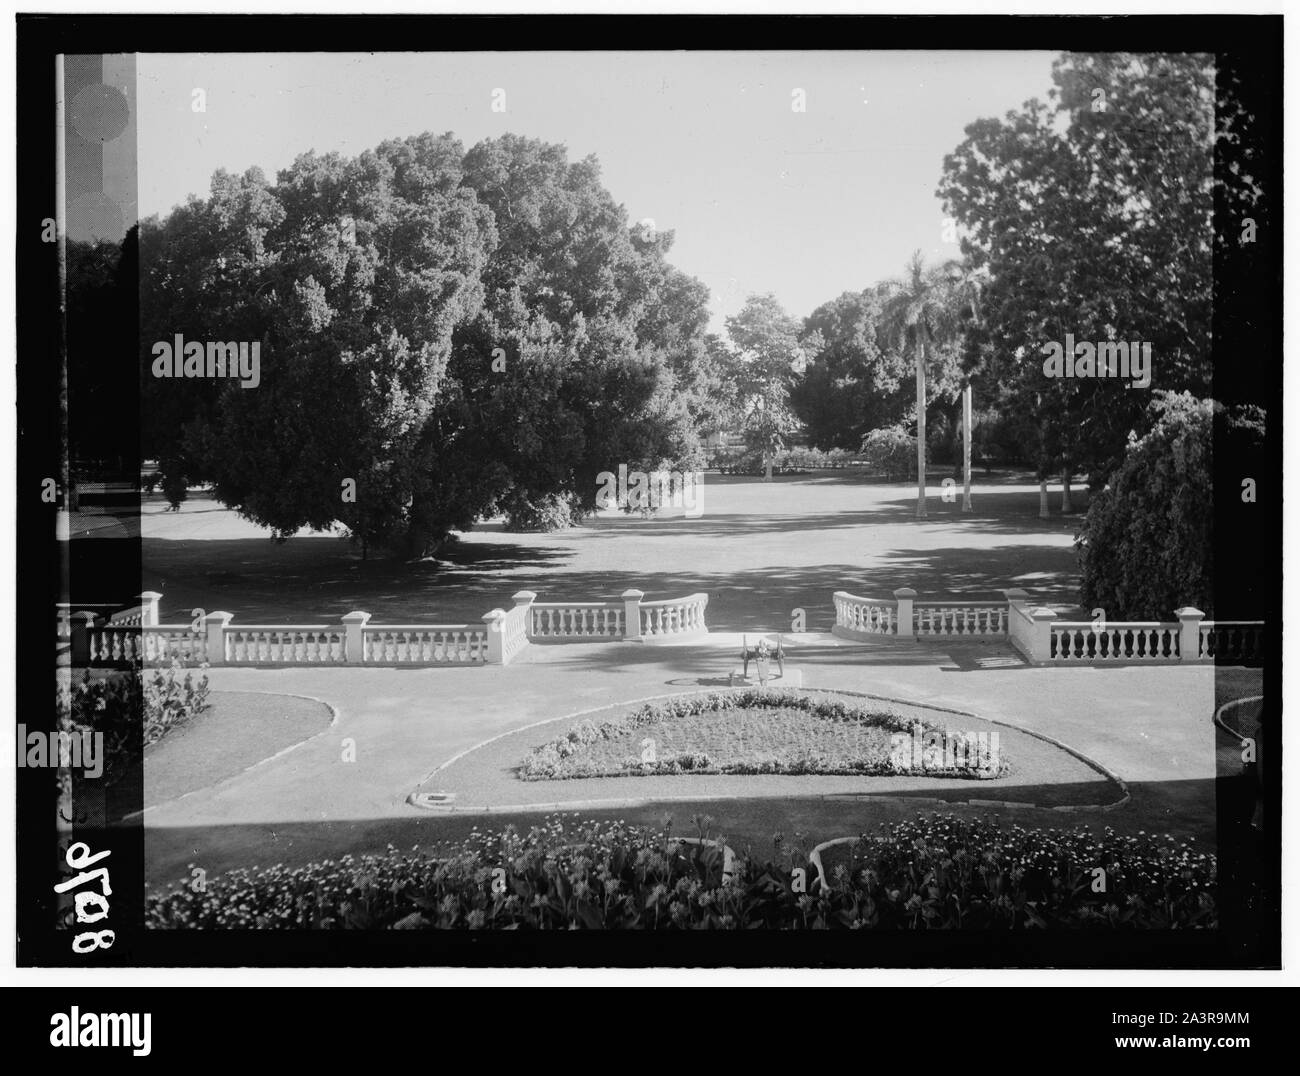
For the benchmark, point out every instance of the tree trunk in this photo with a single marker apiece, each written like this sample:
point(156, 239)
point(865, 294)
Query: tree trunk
point(1044, 512)
point(920, 427)
point(1067, 508)
point(965, 446)
point(954, 436)
point(767, 467)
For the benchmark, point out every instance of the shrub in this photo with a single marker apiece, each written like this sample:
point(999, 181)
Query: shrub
point(111, 706)
point(174, 484)
point(936, 873)
point(724, 457)
point(1146, 546)
point(892, 452)
point(551, 512)
point(810, 459)
point(747, 461)
point(168, 702)
point(131, 710)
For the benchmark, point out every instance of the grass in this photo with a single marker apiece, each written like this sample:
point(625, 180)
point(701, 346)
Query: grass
point(755, 733)
point(760, 550)
point(238, 730)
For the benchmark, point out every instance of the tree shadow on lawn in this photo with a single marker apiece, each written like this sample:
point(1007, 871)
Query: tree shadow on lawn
point(1049, 575)
point(261, 581)
point(1183, 809)
point(1001, 513)
point(280, 584)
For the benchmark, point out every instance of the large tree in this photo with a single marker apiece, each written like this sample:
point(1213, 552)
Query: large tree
point(444, 333)
point(1091, 216)
point(854, 383)
point(352, 278)
point(770, 356)
point(605, 355)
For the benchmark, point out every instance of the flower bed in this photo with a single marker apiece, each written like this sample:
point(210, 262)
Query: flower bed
point(760, 732)
point(131, 710)
point(933, 873)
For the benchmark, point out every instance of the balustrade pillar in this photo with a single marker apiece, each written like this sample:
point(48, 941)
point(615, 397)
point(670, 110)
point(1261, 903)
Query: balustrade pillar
point(524, 600)
point(632, 613)
point(496, 636)
point(149, 608)
point(904, 627)
point(215, 627)
point(1041, 648)
point(354, 645)
point(1189, 633)
point(81, 625)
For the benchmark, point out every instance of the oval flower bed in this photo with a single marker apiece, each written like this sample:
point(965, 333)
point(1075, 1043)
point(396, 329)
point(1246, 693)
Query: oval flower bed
point(763, 732)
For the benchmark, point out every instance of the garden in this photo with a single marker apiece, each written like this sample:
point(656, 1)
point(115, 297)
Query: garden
point(760, 732)
point(936, 872)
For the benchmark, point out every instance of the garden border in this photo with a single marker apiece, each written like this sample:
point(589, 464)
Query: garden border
point(1218, 714)
point(449, 807)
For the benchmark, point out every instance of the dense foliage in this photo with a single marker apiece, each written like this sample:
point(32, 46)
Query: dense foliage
point(855, 382)
point(770, 356)
point(1147, 544)
point(1091, 215)
point(936, 873)
point(131, 710)
point(890, 451)
point(451, 332)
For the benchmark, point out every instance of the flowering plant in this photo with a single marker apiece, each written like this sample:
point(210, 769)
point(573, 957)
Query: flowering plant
point(935, 873)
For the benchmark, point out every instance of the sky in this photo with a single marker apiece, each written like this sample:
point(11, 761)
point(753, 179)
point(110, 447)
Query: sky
point(761, 198)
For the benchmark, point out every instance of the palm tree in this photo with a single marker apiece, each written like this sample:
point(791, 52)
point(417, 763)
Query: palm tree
point(966, 284)
point(918, 312)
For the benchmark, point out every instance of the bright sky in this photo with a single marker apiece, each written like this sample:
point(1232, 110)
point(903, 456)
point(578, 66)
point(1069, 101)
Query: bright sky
point(762, 198)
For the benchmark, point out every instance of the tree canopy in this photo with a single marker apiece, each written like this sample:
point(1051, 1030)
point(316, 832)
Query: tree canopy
point(449, 332)
point(1092, 216)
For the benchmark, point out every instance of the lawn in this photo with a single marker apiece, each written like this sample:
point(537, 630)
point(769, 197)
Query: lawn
point(239, 729)
point(760, 550)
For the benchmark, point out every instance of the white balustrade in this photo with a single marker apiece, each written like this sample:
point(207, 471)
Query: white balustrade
point(425, 644)
point(116, 644)
point(855, 616)
point(961, 618)
point(673, 617)
point(1241, 640)
point(274, 644)
point(163, 643)
point(576, 620)
point(514, 631)
point(1088, 643)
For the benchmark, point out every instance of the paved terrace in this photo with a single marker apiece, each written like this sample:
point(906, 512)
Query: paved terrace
point(1151, 726)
